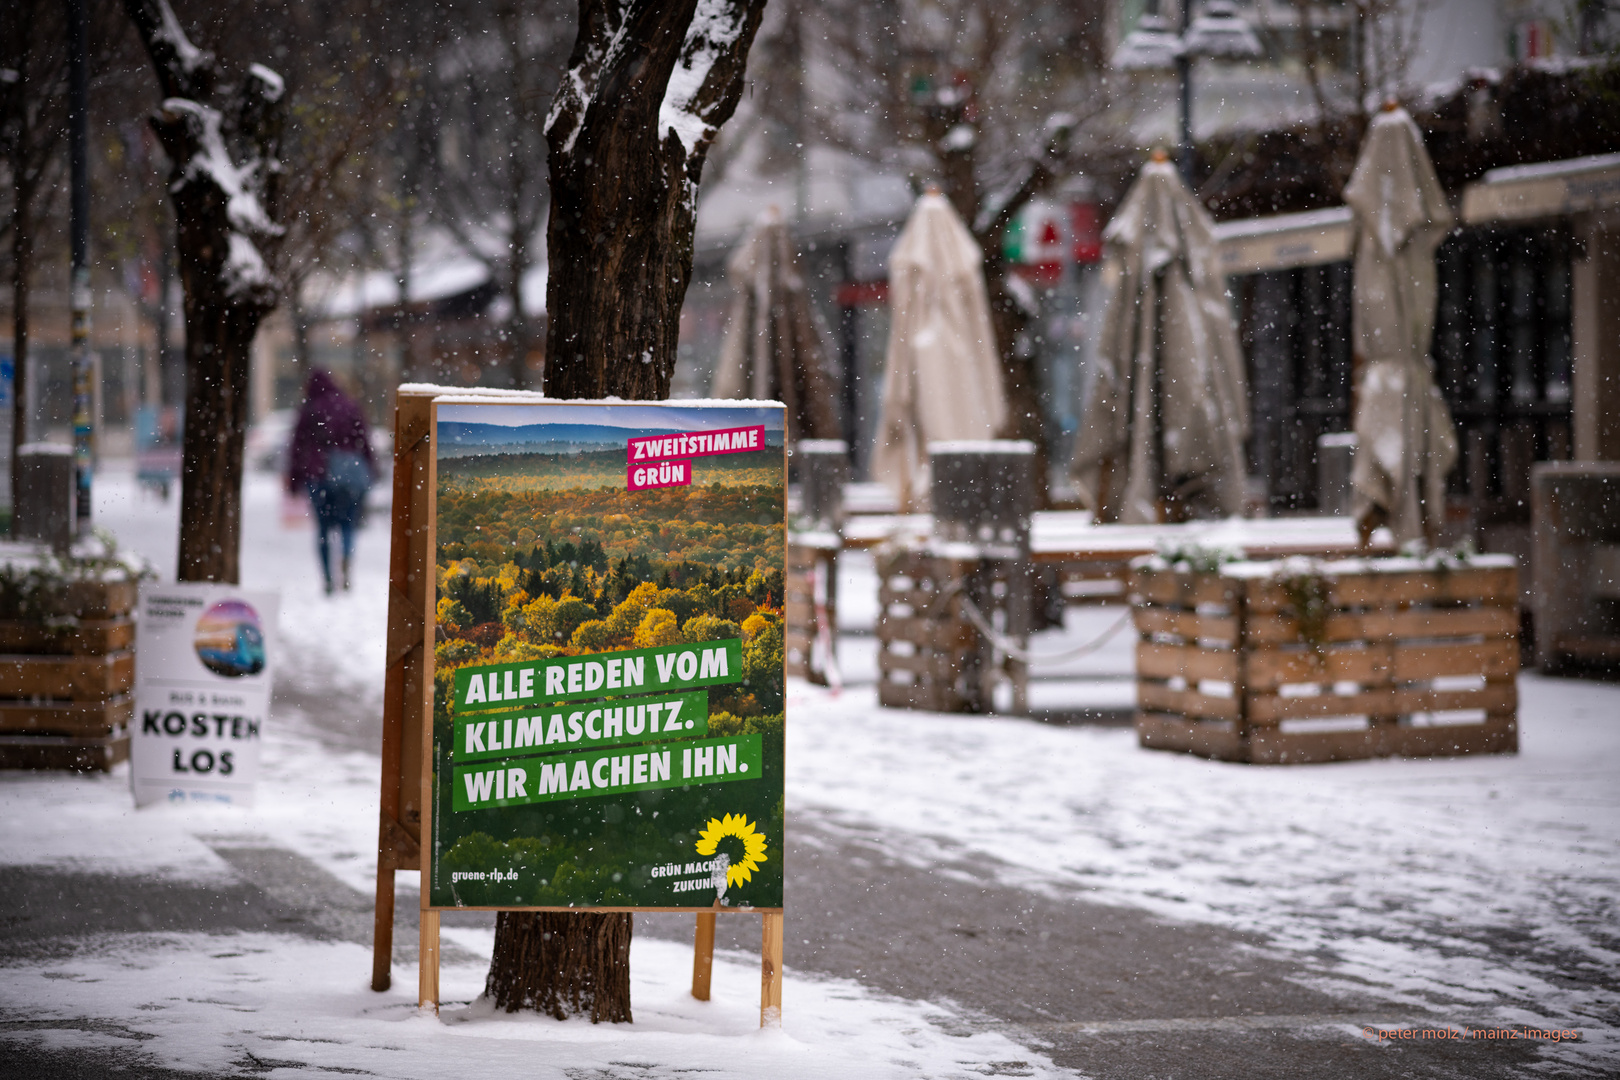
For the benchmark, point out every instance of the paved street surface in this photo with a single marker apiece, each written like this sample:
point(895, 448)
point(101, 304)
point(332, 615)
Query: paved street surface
point(1104, 991)
point(903, 894)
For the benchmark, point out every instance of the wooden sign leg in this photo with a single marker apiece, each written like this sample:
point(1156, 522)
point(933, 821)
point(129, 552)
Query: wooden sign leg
point(428, 973)
point(382, 931)
point(770, 972)
point(703, 957)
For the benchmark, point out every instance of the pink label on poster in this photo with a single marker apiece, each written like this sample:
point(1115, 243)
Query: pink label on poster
point(663, 474)
point(692, 444)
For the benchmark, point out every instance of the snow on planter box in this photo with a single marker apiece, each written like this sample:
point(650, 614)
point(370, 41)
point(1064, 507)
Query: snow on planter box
point(1300, 660)
point(607, 630)
point(66, 665)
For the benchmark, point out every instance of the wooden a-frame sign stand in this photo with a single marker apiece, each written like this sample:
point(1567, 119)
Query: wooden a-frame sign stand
point(407, 711)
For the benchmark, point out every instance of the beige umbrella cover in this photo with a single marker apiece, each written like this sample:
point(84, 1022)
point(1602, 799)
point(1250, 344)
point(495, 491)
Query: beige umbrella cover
point(1406, 442)
point(943, 376)
point(1186, 380)
point(773, 345)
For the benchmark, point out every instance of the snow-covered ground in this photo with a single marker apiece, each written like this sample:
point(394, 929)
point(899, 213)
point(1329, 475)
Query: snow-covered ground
point(1485, 885)
point(1442, 882)
point(272, 1004)
point(198, 1001)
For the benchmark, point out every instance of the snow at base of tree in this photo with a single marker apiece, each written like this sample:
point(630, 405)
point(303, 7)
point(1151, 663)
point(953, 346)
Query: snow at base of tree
point(205, 1003)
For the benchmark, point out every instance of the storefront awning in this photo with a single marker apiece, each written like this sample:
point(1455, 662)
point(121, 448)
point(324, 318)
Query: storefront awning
point(1283, 241)
point(1518, 193)
point(1523, 192)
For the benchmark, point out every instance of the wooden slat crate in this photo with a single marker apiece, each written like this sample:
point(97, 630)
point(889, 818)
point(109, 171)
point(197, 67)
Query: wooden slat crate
point(66, 675)
point(67, 678)
point(67, 718)
point(928, 650)
point(1227, 668)
point(800, 622)
point(86, 600)
point(80, 637)
point(73, 753)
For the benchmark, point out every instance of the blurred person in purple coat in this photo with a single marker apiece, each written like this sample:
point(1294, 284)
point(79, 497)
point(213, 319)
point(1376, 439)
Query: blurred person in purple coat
point(330, 458)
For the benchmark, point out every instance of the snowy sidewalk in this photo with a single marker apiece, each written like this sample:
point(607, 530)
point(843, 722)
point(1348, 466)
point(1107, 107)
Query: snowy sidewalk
point(967, 896)
point(1483, 888)
point(230, 998)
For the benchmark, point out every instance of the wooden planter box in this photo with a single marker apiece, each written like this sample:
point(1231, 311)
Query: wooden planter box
point(928, 650)
point(88, 600)
point(82, 637)
point(802, 623)
point(1225, 668)
point(66, 677)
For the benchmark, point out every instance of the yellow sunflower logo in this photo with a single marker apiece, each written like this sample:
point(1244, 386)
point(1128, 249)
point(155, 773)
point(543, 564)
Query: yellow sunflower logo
point(753, 845)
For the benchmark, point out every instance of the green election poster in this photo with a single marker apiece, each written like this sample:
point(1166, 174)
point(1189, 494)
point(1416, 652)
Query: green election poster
point(608, 711)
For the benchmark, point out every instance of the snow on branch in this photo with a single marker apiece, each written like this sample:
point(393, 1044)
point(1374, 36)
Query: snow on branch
point(188, 56)
point(691, 104)
point(273, 85)
point(183, 69)
point(245, 274)
point(212, 163)
point(1029, 176)
point(604, 32)
point(1003, 203)
point(229, 201)
point(701, 91)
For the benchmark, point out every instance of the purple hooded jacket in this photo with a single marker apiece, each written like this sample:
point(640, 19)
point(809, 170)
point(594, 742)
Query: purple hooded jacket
point(329, 420)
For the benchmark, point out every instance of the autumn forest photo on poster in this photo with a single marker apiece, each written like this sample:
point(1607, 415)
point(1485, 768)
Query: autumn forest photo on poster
point(608, 710)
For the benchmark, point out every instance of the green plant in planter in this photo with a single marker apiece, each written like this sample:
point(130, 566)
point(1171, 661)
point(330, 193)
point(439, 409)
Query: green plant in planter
point(1447, 559)
point(30, 585)
point(1193, 557)
point(1307, 593)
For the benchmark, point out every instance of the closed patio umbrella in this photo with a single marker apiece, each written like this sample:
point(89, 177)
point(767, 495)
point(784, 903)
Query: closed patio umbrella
point(1162, 435)
point(942, 379)
point(1406, 441)
point(773, 345)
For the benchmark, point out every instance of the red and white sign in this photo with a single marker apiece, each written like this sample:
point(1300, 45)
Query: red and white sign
point(668, 457)
point(1086, 227)
point(690, 444)
point(662, 474)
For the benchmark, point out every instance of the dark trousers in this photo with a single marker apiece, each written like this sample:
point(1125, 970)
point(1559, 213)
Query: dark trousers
point(336, 506)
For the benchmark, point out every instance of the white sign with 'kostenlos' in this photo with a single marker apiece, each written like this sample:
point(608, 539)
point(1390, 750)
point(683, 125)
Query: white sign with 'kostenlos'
point(203, 661)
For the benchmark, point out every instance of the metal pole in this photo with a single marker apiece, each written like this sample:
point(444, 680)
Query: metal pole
point(79, 162)
point(1184, 147)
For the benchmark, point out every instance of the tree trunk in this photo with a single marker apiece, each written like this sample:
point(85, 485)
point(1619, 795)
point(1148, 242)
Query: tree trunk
point(627, 152)
point(33, 126)
point(219, 343)
point(415, 352)
point(517, 331)
point(1009, 320)
point(224, 214)
point(562, 963)
point(22, 255)
point(625, 164)
point(303, 355)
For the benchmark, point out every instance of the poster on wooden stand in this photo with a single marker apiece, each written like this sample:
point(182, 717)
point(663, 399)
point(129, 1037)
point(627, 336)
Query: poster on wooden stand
point(602, 664)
